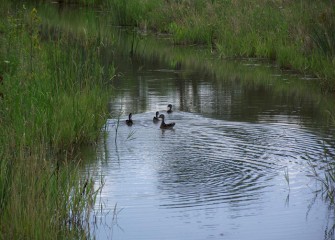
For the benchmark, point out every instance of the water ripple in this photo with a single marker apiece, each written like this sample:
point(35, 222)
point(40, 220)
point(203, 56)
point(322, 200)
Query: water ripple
point(206, 161)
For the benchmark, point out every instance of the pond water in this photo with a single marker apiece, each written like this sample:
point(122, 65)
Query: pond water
point(221, 173)
point(237, 164)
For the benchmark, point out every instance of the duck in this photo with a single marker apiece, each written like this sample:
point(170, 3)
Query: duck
point(170, 108)
point(166, 125)
point(129, 121)
point(156, 118)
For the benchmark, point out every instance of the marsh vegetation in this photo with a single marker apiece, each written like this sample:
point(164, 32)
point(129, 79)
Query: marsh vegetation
point(55, 86)
point(296, 35)
point(54, 101)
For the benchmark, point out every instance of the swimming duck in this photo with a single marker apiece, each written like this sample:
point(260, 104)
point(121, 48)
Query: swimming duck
point(166, 125)
point(156, 118)
point(129, 121)
point(170, 108)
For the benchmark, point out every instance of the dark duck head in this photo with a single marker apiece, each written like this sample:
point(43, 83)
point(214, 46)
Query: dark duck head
point(156, 118)
point(169, 108)
point(166, 125)
point(129, 121)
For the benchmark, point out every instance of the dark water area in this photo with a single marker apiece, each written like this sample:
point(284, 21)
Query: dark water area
point(220, 173)
point(237, 164)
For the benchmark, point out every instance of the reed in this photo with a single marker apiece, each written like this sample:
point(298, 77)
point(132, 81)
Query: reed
point(287, 177)
point(327, 190)
point(295, 34)
point(327, 180)
point(130, 13)
point(55, 96)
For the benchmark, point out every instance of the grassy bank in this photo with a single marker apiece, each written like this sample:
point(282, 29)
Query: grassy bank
point(295, 34)
point(54, 96)
point(249, 74)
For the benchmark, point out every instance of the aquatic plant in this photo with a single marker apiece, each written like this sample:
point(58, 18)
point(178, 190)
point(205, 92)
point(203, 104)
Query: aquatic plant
point(287, 177)
point(54, 101)
point(296, 35)
point(130, 13)
point(327, 189)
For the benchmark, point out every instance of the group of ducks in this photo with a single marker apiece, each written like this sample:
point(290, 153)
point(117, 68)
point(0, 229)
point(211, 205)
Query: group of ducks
point(156, 119)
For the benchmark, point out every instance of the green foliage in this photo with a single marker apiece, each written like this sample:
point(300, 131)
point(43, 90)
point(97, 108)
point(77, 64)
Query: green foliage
point(55, 96)
point(130, 13)
point(34, 22)
point(194, 32)
point(296, 34)
point(321, 30)
point(327, 182)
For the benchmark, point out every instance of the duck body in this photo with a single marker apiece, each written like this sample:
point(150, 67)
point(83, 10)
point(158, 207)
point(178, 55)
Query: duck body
point(156, 118)
point(129, 121)
point(166, 125)
point(169, 109)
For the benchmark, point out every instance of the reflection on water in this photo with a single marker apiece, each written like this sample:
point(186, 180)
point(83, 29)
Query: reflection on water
point(220, 174)
point(210, 178)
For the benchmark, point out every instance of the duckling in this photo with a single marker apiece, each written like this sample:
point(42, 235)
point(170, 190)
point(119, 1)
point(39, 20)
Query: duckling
point(156, 118)
point(129, 121)
point(170, 109)
point(166, 125)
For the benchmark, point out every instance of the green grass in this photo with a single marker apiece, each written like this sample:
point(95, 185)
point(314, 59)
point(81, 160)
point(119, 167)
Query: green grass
point(55, 94)
point(295, 34)
point(55, 89)
point(327, 188)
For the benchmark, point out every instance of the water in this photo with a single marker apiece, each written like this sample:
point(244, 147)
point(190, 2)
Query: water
point(220, 173)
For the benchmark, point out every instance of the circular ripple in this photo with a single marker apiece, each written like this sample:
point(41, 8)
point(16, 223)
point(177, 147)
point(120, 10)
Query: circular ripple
point(205, 161)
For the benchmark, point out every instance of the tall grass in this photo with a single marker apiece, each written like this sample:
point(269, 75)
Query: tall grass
point(130, 13)
point(295, 34)
point(327, 190)
point(55, 96)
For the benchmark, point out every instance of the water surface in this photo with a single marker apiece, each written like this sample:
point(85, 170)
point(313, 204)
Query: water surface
point(241, 127)
point(220, 174)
